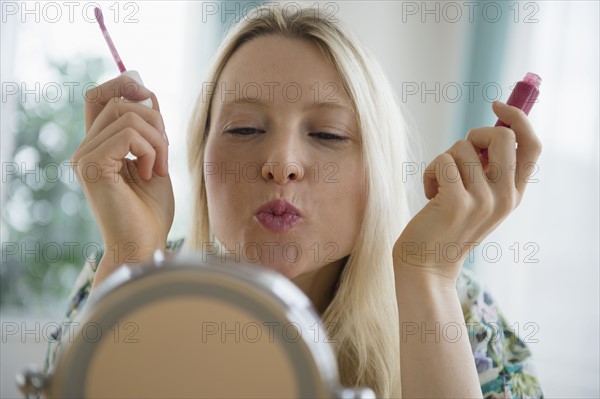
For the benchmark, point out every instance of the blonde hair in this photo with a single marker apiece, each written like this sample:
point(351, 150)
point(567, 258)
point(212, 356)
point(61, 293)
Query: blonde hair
point(364, 310)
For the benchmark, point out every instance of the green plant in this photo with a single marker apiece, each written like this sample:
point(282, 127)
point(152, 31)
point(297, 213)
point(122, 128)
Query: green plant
point(49, 228)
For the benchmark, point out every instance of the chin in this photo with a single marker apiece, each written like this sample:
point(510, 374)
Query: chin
point(287, 269)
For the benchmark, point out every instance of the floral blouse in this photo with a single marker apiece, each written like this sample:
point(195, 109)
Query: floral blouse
point(504, 362)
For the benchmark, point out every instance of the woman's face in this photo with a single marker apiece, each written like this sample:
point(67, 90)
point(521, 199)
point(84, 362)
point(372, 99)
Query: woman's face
point(283, 128)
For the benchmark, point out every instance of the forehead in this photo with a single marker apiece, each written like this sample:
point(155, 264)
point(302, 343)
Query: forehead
point(275, 68)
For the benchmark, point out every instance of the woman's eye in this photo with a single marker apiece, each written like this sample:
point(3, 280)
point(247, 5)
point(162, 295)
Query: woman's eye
point(328, 136)
point(248, 131)
point(243, 131)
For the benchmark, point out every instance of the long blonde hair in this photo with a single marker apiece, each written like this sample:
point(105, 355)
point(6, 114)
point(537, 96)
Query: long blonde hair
point(364, 311)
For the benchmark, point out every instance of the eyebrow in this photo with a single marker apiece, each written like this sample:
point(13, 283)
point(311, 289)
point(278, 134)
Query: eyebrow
point(313, 105)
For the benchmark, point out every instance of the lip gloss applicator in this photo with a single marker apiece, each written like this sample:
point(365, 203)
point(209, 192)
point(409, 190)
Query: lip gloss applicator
point(113, 50)
point(523, 96)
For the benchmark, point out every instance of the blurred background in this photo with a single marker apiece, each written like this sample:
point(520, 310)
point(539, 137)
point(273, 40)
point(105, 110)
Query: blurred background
point(447, 62)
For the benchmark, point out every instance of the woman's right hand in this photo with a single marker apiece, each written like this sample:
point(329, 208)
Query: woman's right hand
point(132, 200)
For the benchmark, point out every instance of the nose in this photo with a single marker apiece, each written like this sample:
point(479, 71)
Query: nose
point(283, 164)
point(282, 172)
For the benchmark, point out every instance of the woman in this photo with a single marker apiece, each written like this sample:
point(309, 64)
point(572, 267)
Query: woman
point(297, 142)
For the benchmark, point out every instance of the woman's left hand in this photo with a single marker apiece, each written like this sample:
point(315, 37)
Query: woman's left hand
point(469, 197)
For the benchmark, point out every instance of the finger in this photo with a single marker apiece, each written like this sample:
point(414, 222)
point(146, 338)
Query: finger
point(156, 107)
point(442, 174)
point(155, 104)
point(529, 145)
point(118, 108)
point(501, 171)
point(466, 157)
point(153, 99)
point(114, 150)
point(147, 131)
point(500, 143)
point(121, 86)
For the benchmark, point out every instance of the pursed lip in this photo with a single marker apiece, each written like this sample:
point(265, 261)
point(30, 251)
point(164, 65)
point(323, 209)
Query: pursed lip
point(278, 216)
point(278, 207)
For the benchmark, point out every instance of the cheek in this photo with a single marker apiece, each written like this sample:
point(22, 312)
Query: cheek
point(351, 184)
point(211, 173)
point(218, 168)
point(227, 190)
point(218, 191)
point(345, 199)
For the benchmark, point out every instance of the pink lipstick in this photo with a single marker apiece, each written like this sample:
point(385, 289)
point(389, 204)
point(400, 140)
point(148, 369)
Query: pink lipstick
point(278, 216)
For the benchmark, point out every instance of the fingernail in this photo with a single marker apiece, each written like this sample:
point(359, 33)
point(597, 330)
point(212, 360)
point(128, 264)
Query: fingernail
point(166, 137)
point(147, 102)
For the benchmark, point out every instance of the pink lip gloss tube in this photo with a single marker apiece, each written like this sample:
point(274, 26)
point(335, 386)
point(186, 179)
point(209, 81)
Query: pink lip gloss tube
point(524, 95)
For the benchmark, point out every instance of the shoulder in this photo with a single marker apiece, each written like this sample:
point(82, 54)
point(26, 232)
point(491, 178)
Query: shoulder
point(504, 362)
point(483, 323)
point(471, 291)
